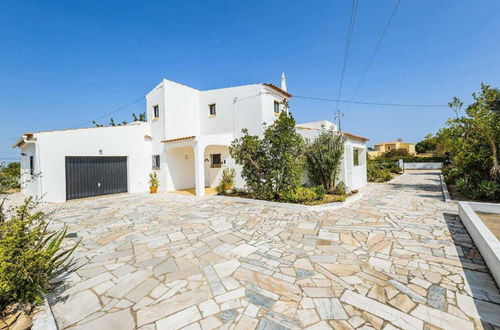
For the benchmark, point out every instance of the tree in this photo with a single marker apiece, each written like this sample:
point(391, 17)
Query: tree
point(395, 153)
point(428, 144)
point(272, 165)
point(472, 143)
point(323, 159)
point(487, 122)
point(456, 105)
point(140, 117)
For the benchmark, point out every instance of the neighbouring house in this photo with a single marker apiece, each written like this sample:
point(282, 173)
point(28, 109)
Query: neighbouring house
point(185, 139)
point(380, 148)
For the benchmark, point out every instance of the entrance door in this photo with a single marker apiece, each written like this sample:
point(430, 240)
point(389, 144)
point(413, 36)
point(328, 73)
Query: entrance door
point(348, 167)
point(94, 176)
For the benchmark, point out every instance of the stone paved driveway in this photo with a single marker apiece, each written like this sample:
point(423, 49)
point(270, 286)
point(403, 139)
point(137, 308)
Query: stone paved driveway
point(398, 258)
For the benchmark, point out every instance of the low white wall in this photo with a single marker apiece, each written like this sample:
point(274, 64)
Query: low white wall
point(485, 240)
point(422, 166)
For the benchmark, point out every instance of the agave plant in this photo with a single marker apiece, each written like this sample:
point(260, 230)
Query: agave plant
point(31, 254)
point(153, 180)
point(227, 180)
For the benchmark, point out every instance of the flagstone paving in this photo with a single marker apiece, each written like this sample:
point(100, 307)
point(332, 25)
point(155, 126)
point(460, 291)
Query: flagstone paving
point(397, 258)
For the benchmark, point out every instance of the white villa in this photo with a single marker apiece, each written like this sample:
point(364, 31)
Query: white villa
point(185, 139)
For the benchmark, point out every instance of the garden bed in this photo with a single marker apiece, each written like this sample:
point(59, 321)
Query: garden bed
point(327, 203)
point(473, 216)
point(457, 195)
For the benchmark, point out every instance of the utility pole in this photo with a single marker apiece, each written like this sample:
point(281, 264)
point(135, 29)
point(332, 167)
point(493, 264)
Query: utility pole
point(338, 116)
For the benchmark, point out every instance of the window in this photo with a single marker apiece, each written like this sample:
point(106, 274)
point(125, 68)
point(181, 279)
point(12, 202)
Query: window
point(156, 162)
point(358, 156)
point(215, 160)
point(276, 107)
point(32, 165)
point(156, 111)
point(355, 157)
point(211, 108)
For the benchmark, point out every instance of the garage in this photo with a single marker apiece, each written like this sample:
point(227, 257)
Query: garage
point(95, 176)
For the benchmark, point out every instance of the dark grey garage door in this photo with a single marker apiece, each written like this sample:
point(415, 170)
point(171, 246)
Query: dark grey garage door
point(93, 176)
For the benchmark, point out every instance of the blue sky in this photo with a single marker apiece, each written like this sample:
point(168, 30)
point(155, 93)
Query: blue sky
point(64, 63)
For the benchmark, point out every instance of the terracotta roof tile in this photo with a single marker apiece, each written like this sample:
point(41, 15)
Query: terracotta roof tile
point(178, 139)
point(278, 89)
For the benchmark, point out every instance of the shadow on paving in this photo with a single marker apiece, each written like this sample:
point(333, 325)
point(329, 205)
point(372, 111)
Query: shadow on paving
point(481, 285)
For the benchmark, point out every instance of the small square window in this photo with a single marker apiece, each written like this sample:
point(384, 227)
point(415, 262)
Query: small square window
point(156, 111)
point(216, 161)
point(156, 162)
point(212, 110)
point(276, 107)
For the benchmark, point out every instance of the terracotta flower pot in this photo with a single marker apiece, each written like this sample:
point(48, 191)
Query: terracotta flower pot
point(153, 189)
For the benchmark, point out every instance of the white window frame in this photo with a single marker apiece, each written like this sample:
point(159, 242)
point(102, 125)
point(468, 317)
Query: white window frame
point(156, 161)
point(277, 105)
point(361, 156)
point(210, 114)
point(213, 164)
point(156, 111)
point(32, 165)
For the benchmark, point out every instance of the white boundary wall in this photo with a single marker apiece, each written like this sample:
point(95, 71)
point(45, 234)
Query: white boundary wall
point(422, 166)
point(485, 240)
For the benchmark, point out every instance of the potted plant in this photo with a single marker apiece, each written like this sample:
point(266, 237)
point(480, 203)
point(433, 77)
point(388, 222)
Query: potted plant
point(226, 183)
point(153, 182)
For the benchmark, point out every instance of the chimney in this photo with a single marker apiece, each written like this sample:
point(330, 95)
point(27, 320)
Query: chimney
point(283, 81)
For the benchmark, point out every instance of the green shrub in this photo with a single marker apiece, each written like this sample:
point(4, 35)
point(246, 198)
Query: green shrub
point(395, 153)
point(274, 164)
point(395, 169)
point(489, 189)
point(10, 175)
point(324, 157)
point(226, 183)
point(299, 195)
point(377, 172)
point(462, 184)
point(340, 188)
point(319, 191)
point(30, 255)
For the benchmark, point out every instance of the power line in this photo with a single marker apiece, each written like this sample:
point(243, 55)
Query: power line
point(376, 48)
point(371, 103)
point(347, 46)
point(110, 113)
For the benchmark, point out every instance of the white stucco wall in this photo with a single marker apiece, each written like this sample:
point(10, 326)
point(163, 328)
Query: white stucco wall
point(181, 110)
point(359, 176)
point(236, 107)
point(179, 169)
point(53, 147)
point(30, 185)
point(213, 175)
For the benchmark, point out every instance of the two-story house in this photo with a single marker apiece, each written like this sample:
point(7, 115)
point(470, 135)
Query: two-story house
point(185, 139)
point(383, 147)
